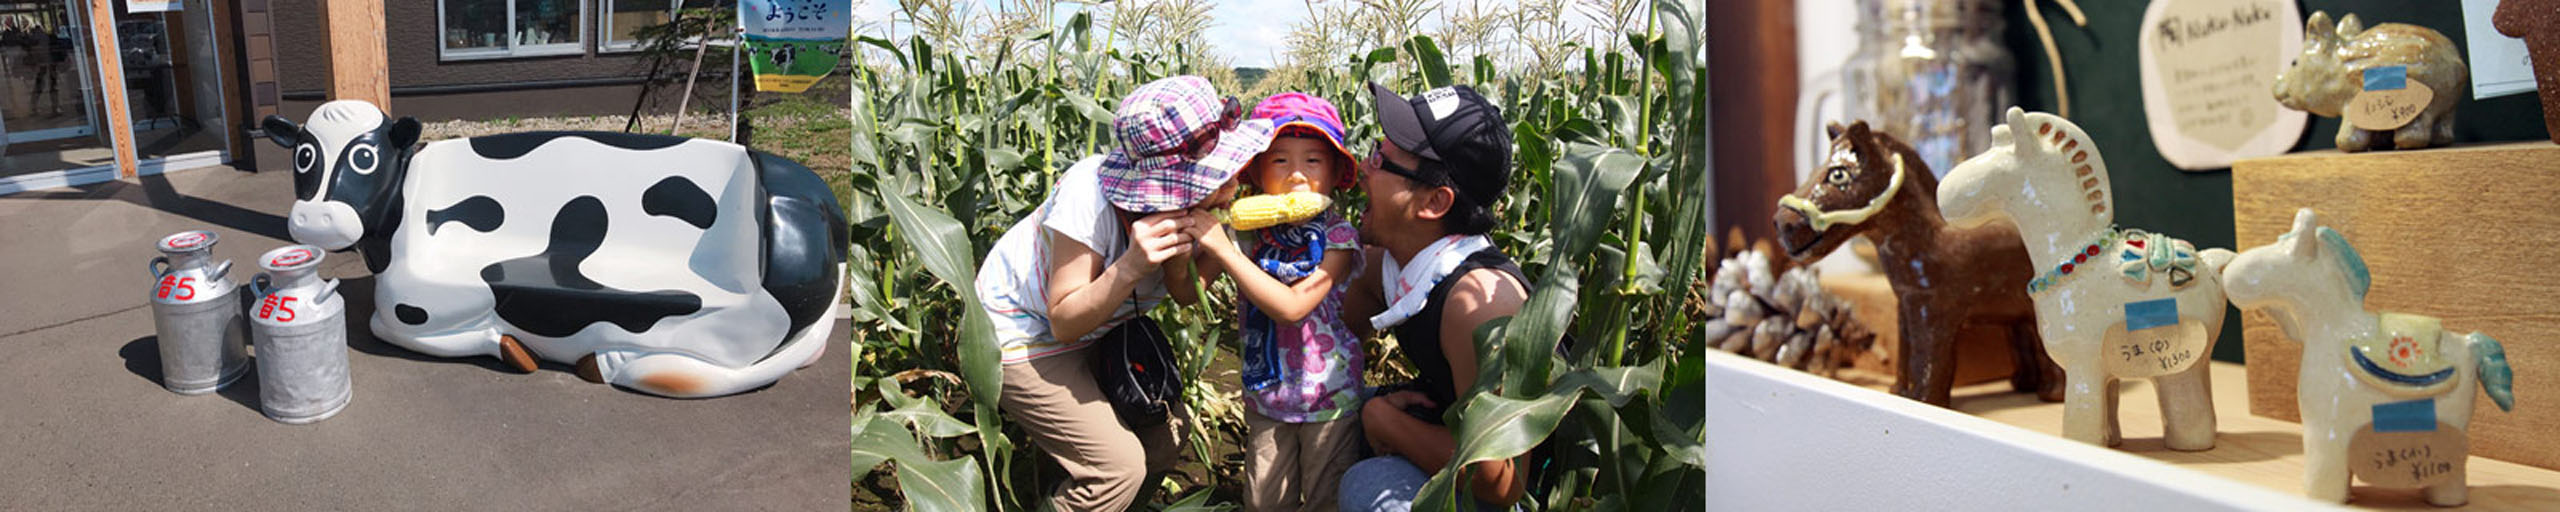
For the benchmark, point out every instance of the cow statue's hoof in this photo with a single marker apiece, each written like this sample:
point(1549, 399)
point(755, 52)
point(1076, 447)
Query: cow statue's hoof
point(515, 355)
point(588, 369)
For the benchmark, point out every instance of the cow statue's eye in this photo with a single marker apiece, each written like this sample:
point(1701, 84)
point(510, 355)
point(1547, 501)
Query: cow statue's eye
point(305, 158)
point(363, 159)
point(1839, 177)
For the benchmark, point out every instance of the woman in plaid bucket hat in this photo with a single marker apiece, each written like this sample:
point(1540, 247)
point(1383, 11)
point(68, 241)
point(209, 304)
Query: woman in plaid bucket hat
point(1090, 260)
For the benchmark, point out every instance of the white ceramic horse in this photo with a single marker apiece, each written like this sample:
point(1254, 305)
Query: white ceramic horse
point(2358, 365)
point(2111, 304)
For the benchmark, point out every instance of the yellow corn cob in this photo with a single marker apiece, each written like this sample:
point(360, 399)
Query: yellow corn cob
point(1268, 210)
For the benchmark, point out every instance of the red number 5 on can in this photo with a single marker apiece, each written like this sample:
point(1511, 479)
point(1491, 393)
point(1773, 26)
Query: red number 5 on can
point(267, 308)
point(185, 288)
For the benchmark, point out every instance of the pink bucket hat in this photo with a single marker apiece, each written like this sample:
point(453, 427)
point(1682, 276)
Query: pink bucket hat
point(1312, 112)
point(1159, 126)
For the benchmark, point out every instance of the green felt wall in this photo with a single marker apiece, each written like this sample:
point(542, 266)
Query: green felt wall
point(2153, 195)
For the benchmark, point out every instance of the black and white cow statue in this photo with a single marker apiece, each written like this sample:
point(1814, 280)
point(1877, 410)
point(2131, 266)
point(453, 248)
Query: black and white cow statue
point(675, 266)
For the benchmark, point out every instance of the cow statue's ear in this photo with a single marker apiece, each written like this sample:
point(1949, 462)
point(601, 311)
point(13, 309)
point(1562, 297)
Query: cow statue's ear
point(283, 132)
point(404, 132)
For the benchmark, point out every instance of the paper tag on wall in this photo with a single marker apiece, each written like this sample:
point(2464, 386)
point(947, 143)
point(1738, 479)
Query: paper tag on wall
point(2207, 69)
point(2500, 65)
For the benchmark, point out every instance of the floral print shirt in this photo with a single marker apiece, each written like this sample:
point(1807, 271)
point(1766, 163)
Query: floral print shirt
point(1308, 371)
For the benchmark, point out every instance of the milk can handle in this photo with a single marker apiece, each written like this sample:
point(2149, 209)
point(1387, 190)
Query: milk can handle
point(221, 270)
point(258, 287)
point(328, 289)
point(159, 266)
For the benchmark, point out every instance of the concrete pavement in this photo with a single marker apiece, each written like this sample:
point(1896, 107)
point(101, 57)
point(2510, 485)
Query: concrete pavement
point(84, 423)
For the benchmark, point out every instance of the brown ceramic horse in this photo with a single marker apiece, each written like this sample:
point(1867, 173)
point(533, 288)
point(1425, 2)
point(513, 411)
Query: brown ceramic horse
point(1946, 278)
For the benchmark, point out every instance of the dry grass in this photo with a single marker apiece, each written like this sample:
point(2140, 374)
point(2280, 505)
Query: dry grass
point(814, 128)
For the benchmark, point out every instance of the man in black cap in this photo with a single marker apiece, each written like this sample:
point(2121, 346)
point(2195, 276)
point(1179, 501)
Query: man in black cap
point(1434, 278)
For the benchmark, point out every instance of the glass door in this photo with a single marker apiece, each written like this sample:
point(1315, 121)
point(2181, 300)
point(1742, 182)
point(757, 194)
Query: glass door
point(48, 110)
point(171, 78)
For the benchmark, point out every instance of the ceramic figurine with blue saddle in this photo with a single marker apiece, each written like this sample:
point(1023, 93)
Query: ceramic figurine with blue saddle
point(674, 266)
point(2110, 303)
point(2385, 396)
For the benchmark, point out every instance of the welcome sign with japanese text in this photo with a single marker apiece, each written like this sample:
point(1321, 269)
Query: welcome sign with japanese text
point(793, 43)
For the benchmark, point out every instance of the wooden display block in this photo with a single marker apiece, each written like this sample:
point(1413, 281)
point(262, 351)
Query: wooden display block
point(2465, 233)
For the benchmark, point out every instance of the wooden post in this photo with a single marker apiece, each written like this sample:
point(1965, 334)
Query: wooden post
point(110, 61)
point(359, 66)
point(1753, 46)
point(263, 95)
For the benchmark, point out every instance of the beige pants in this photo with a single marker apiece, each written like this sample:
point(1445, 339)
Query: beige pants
point(1297, 466)
point(1056, 402)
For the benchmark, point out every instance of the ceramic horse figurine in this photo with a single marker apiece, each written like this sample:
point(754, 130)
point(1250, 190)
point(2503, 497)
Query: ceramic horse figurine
point(2111, 303)
point(1945, 278)
point(2368, 377)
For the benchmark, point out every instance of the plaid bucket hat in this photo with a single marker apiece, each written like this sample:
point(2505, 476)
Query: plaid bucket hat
point(1160, 164)
point(1295, 109)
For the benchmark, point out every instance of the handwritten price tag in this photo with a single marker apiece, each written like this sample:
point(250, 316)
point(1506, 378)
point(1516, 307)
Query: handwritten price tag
point(2408, 459)
point(2389, 109)
point(2155, 351)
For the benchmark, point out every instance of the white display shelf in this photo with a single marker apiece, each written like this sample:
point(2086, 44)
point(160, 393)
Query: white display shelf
point(1780, 439)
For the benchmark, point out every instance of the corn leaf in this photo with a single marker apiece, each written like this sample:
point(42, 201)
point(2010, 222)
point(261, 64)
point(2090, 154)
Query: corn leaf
point(1434, 65)
point(943, 486)
point(1495, 428)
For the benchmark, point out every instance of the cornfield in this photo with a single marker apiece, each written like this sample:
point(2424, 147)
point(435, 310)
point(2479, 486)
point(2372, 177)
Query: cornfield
point(959, 133)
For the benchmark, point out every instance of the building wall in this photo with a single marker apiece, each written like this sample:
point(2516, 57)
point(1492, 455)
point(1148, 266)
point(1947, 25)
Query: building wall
point(413, 54)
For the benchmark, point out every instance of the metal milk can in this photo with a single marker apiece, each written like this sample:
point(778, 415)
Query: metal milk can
point(298, 320)
point(196, 310)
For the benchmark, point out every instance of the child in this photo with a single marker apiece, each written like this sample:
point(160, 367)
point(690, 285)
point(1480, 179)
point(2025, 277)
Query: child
point(1302, 364)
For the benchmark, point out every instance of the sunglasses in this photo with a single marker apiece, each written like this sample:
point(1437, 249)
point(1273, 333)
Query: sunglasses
point(1229, 115)
point(1378, 158)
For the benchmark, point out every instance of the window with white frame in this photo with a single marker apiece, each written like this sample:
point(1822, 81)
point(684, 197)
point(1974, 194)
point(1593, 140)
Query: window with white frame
point(475, 29)
point(623, 19)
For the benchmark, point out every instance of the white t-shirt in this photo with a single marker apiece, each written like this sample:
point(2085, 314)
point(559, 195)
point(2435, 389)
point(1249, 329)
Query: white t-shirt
point(1013, 283)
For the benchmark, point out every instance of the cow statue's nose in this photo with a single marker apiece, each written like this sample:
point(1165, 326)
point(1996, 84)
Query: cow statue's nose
point(331, 225)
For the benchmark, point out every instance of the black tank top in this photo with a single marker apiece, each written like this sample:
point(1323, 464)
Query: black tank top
point(1420, 334)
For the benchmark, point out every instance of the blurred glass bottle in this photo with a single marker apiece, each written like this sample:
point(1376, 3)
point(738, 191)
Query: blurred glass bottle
point(1931, 72)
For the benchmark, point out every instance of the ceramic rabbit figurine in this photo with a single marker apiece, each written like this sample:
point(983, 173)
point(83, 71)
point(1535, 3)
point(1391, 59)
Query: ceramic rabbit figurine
point(1945, 278)
point(2337, 63)
point(2386, 397)
point(2110, 303)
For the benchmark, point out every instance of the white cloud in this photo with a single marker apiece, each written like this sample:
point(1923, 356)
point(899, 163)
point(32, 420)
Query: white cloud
point(1253, 34)
point(873, 12)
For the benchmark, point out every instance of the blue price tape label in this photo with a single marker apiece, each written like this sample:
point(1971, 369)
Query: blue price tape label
point(2386, 78)
point(2411, 416)
point(2150, 313)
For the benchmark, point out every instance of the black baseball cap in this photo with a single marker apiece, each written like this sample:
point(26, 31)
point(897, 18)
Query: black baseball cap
point(1455, 127)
